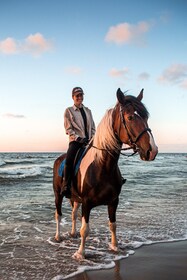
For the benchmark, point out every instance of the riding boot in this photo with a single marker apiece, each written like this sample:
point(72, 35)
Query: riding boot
point(66, 184)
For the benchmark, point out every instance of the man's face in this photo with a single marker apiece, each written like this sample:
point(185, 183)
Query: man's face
point(78, 99)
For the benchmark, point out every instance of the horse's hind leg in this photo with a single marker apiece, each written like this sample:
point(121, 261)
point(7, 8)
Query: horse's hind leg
point(58, 214)
point(112, 224)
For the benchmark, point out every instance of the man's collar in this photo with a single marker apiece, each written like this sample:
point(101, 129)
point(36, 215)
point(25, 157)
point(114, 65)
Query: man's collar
point(76, 108)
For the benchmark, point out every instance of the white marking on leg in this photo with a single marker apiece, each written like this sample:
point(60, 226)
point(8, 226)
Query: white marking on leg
point(58, 221)
point(113, 244)
point(84, 231)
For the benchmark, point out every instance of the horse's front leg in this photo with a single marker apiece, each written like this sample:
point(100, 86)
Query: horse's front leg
point(75, 208)
point(58, 215)
point(112, 224)
point(84, 232)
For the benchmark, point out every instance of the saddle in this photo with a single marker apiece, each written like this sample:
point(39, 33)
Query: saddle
point(79, 156)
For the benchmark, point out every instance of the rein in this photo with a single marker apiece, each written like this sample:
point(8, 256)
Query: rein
point(111, 150)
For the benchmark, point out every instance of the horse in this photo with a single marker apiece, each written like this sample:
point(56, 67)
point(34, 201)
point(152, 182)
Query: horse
point(98, 180)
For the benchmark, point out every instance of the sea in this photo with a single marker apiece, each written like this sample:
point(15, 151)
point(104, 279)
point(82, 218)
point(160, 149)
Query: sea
point(152, 208)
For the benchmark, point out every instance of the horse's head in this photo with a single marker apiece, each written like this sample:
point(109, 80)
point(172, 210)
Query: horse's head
point(131, 125)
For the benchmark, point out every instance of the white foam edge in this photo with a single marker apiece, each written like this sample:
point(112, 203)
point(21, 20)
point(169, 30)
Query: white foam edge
point(85, 268)
point(169, 240)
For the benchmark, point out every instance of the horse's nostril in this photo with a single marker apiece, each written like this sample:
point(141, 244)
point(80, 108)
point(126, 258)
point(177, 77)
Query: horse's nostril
point(148, 154)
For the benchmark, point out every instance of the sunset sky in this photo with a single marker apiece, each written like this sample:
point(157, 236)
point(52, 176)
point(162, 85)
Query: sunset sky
point(47, 47)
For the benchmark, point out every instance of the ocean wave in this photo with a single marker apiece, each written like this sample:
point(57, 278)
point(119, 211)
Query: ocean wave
point(21, 172)
point(2, 163)
point(82, 269)
point(21, 161)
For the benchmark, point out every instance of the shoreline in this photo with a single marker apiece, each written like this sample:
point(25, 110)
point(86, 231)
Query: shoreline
point(158, 261)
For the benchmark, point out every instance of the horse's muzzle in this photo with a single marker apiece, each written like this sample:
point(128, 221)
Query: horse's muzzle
point(150, 154)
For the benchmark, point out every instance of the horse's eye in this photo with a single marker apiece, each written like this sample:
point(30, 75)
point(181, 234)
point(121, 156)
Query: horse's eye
point(130, 118)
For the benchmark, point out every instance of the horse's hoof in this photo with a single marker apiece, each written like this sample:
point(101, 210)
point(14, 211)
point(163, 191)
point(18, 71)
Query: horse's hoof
point(58, 239)
point(74, 235)
point(113, 247)
point(78, 256)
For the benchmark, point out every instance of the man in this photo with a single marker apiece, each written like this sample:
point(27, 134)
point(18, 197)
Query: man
point(80, 127)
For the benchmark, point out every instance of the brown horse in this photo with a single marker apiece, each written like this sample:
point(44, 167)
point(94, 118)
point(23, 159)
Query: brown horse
point(99, 181)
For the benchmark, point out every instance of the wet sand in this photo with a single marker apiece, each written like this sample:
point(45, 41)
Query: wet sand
point(163, 261)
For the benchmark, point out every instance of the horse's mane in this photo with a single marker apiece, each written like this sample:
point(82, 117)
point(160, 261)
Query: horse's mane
point(104, 137)
point(138, 106)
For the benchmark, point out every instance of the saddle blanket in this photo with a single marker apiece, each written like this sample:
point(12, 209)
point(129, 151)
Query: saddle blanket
point(76, 165)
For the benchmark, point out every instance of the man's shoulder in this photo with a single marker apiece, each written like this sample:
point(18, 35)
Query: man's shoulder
point(71, 108)
point(86, 108)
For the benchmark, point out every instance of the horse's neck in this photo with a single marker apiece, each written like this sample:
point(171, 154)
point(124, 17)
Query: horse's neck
point(104, 156)
point(110, 161)
point(105, 144)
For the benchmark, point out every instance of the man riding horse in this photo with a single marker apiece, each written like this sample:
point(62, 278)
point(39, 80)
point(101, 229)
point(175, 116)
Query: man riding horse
point(80, 127)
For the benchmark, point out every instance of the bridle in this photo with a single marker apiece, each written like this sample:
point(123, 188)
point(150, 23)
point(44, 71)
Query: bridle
point(132, 143)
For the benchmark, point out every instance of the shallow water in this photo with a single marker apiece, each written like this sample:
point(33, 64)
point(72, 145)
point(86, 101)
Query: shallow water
point(152, 208)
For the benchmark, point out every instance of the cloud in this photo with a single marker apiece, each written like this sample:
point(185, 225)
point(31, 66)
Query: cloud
point(144, 76)
point(175, 73)
point(126, 33)
point(34, 44)
point(8, 46)
point(37, 44)
point(74, 70)
point(184, 84)
point(119, 73)
point(13, 116)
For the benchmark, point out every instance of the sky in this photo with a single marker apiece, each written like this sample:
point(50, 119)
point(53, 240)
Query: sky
point(48, 47)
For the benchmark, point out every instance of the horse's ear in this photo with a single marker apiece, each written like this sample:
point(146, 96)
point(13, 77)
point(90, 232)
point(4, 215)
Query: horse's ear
point(140, 96)
point(120, 96)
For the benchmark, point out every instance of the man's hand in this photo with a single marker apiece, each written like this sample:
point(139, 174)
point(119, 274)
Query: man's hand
point(82, 140)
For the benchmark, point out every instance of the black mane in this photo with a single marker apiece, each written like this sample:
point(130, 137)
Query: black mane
point(137, 105)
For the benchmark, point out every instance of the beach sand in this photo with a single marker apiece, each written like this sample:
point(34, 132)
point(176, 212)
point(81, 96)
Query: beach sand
point(159, 261)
